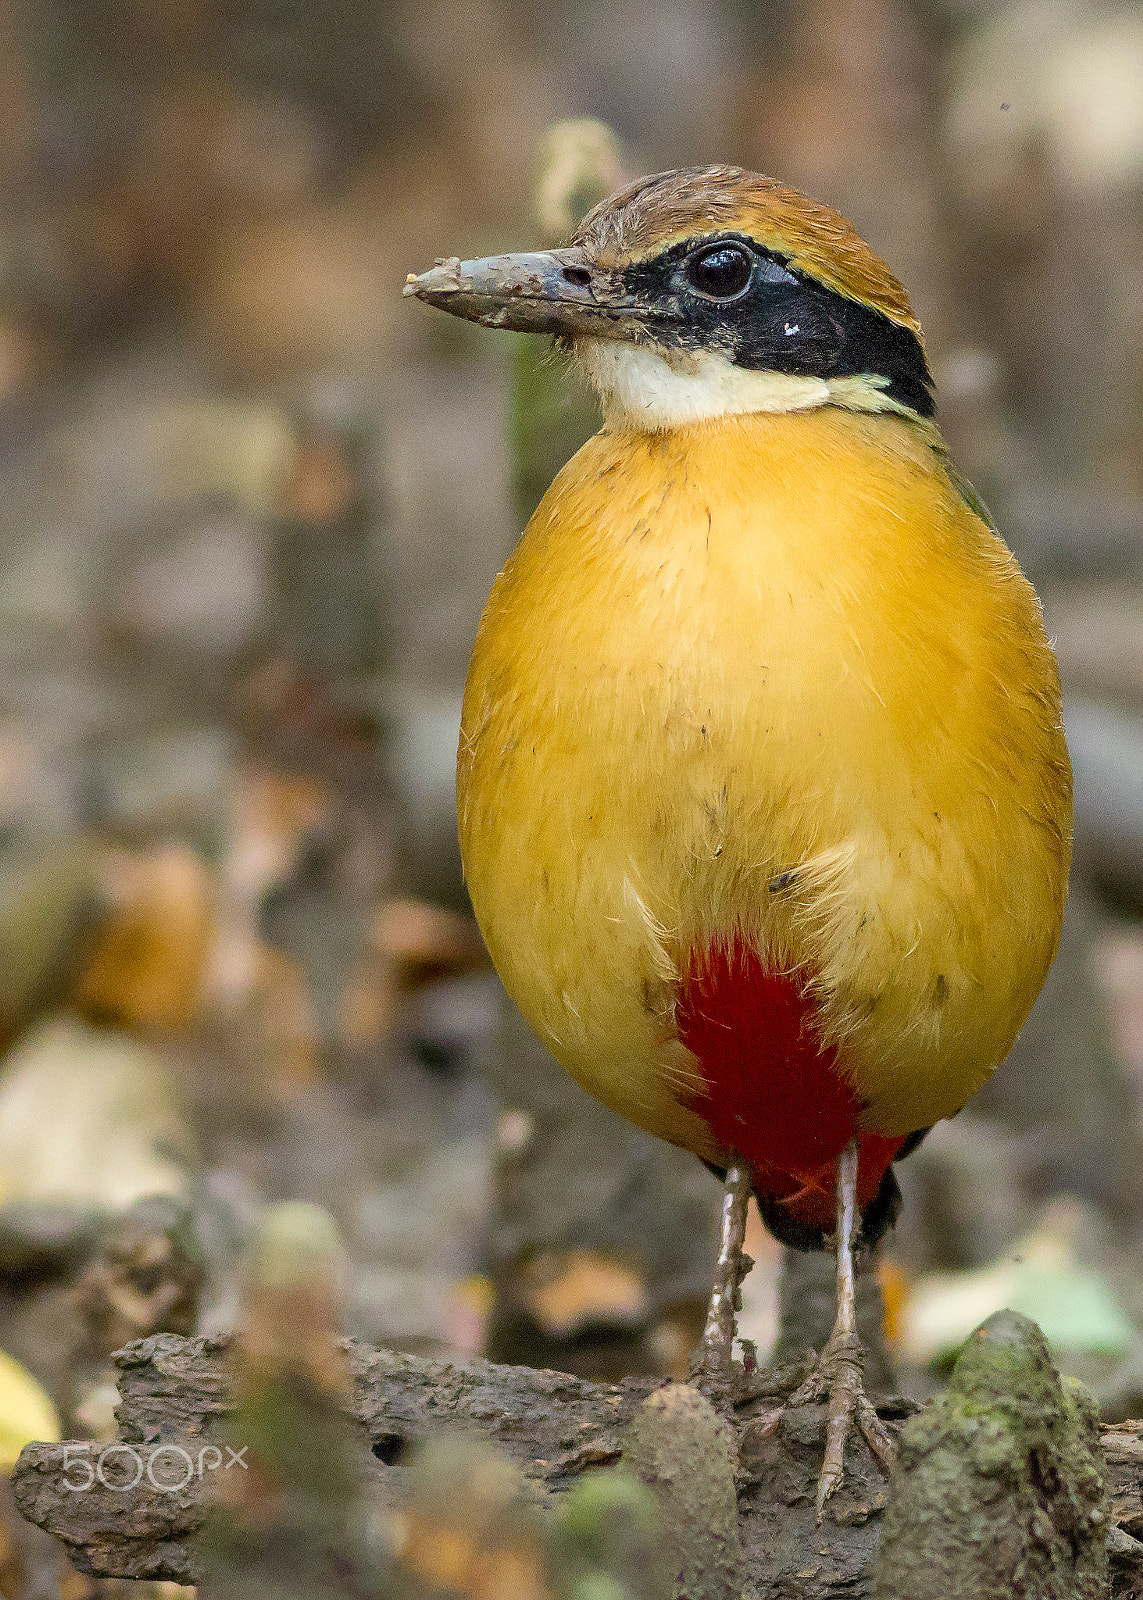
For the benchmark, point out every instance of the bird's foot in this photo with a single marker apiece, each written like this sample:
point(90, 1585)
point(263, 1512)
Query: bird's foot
point(837, 1379)
point(715, 1372)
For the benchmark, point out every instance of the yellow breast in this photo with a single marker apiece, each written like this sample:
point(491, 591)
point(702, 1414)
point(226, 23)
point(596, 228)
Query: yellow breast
point(769, 674)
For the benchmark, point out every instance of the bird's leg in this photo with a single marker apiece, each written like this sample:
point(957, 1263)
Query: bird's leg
point(837, 1373)
point(711, 1364)
point(843, 1351)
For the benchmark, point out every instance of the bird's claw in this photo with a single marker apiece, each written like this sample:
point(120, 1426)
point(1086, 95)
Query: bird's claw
point(836, 1378)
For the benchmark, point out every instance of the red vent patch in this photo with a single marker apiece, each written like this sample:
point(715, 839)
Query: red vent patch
point(773, 1091)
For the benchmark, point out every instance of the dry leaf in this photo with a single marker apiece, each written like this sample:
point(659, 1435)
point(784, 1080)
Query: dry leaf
point(276, 816)
point(895, 1288)
point(88, 1115)
point(26, 1413)
point(569, 1290)
point(411, 944)
point(150, 955)
point(425, 942)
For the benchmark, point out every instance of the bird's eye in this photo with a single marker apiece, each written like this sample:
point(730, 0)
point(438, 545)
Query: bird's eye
point(721, 270)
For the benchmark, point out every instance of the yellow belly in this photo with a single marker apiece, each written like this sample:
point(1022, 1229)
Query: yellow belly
point(767, 675)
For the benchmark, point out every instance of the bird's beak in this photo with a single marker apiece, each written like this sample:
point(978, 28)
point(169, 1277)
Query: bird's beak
point(542, 291)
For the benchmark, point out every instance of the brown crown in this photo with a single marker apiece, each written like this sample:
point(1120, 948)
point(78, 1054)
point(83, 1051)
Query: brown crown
point(655, 212)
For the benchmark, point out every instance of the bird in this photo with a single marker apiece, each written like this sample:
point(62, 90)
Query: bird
point(764, 799)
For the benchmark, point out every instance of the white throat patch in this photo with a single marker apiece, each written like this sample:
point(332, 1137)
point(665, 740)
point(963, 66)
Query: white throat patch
point(642, 387)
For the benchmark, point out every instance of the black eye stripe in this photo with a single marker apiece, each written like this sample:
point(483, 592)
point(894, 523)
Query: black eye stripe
point(774, 272)
point(776, 320)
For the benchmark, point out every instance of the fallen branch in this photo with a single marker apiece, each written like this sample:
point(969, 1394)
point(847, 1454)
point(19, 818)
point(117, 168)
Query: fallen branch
point(553, 1426)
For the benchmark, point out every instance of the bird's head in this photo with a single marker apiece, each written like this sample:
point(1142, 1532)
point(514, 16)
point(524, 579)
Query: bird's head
point(703, 293)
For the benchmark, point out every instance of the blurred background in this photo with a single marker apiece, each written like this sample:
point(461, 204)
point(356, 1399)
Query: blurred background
point(250, 506)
